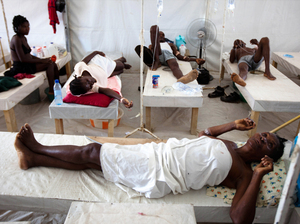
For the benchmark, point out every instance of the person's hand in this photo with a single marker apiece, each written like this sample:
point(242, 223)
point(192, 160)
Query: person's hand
point(101, 53)
point(254, 41)
point(265, 166)
point(46, 61)
point(244, 124)
point(126, 103)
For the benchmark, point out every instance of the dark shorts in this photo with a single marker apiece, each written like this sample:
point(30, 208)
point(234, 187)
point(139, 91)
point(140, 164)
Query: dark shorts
point(252, 65)
point(165, 56)
point(20, 67)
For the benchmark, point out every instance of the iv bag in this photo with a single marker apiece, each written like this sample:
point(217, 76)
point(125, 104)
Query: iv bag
point(160, 7)
point(231, 5)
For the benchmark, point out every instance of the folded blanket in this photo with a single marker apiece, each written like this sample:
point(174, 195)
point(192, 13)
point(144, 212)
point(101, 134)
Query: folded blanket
point(7, 83)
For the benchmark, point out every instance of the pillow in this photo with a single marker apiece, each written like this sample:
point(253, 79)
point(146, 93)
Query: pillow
point(93, 99)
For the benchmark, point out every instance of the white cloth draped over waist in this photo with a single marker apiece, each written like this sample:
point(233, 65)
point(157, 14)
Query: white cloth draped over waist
point(157, 169)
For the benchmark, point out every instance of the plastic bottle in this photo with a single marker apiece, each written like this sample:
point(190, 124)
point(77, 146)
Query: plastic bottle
point(39, 52)
point(33, 52)
point(182, 49)
point(160, 7)
point(155, 81)
point(57, 93)
point(45, 51)
point(53, 50)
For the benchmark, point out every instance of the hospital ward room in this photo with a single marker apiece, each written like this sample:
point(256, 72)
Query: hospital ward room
point(149, 111)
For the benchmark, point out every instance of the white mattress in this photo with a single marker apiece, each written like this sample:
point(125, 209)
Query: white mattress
point(107, 213)
point(80, 111)
point(291, 64)
point(52, 190)
point(155, 97)
point(262, 94)
point(10, 98)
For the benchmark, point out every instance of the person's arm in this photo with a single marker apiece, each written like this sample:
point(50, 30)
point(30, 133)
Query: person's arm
point(179, 56)
point(88, 58)
point(243, 204)
point(241, 124)
point(232, 55)
point(111, 93)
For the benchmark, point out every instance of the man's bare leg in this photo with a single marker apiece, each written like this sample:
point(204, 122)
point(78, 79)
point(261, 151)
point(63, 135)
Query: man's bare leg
point(82, 156)
point(173, 65)
point(154, 36)
point(239, 79)
point(264, 51)
point(191, 76)
point(123, 60)
point(29, 159)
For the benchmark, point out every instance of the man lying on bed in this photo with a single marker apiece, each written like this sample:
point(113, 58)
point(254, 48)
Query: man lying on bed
point(156, 169)
point(250, 59)
point(92, 75)
point(160, 52)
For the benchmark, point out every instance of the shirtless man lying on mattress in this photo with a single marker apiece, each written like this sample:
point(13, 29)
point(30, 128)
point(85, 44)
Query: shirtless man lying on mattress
point(165, 54)
point(250, 59)
point(156, 169)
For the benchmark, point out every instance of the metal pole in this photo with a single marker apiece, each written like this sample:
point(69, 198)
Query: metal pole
point(142, 65)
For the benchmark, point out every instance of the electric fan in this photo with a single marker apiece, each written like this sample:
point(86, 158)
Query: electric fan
point(201, 33)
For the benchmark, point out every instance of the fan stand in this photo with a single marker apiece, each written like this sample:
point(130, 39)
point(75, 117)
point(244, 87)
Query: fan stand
point(200, 53)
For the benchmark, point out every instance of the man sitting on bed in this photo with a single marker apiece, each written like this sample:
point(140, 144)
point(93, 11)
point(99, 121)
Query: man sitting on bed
point(250, 59)
point(95, 74)
point(161, 52)
point(156, 169)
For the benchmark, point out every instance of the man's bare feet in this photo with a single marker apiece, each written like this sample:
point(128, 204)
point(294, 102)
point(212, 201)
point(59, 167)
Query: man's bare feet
point(200, 61)
point(237, 79)
point(155, 66)
point(269, 76)
point(191, 76)
point(127, 66)
point(26, 157)
point(122, 59)
point(26, 136)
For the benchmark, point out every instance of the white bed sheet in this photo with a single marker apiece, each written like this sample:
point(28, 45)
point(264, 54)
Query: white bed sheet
point(291, 64)
point(280, 95)
point(80, 111)
point(52, 190)
point(10, 98)
point(107, 213)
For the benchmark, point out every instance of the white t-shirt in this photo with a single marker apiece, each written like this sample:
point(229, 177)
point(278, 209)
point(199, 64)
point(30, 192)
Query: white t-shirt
point(100, 69)
point(166, 46)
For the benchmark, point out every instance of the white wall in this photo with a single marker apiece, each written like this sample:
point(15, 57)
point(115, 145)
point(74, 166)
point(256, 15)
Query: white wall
point(114, 25)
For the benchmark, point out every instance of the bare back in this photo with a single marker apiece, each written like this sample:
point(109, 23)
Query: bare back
point(16, 45)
